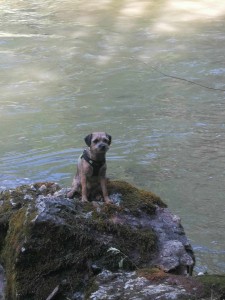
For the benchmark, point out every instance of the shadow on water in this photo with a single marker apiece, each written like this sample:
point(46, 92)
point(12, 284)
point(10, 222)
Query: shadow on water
point(74, 67)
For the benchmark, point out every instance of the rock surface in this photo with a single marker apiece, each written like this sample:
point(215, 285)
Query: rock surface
point(129, 286)
point(52, 247)
point(153, 284)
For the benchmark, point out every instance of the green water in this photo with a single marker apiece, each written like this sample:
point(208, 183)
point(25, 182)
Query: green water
point(68, 68)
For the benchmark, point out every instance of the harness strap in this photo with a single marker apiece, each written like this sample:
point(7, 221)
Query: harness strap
point(96, 165)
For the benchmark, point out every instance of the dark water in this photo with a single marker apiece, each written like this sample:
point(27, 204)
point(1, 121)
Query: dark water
point(68, 68)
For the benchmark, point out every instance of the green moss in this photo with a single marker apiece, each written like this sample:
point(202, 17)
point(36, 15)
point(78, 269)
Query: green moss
point(135, 245)
point(4, 224)
point(91, 288)
point(141, 240)
point(45, 259)
point(214, 285)
point(135, 199)
point(12, 202)
point(15, 215)
point(13, 245)
point(14, 199)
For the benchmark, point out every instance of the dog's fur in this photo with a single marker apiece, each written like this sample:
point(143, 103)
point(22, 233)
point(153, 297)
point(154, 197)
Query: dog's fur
point(98, 144)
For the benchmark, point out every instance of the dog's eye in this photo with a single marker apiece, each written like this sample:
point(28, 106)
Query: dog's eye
point(95, 141)
point(105, 141)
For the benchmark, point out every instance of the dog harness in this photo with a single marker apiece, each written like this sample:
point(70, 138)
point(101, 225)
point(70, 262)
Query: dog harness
point(96, 165)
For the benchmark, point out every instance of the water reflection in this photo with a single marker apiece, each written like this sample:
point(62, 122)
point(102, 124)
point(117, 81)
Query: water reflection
point(74, 67)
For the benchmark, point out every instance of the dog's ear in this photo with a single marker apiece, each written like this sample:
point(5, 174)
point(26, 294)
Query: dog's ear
point(109, 137)
point(88, 139)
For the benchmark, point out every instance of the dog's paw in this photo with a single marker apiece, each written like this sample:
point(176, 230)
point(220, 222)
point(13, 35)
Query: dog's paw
point(70, 195)
point(84, 199)
point(107, 200)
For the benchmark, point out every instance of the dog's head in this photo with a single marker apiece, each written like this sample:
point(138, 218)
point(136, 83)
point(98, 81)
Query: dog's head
point(98, 141)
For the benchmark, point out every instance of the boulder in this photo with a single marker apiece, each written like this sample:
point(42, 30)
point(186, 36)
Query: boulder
point(130, 285)
point(151, 284)
point(52, 247)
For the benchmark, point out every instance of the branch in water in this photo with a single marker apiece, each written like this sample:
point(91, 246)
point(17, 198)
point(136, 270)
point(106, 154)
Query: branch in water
point(183, 79)
point(189, 81)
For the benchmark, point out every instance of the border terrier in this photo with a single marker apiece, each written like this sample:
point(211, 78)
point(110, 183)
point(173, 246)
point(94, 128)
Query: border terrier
point(91, 168)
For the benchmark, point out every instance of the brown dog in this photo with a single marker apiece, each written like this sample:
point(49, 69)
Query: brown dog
point(91, 168)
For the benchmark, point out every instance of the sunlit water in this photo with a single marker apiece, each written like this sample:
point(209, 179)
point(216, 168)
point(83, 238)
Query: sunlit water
point(68, 68)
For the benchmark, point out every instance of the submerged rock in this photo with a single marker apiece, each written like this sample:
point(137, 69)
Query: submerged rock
point(52, 247)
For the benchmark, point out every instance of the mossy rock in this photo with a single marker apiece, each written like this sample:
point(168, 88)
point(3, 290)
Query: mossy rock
point(214, 286)
point(135, 199)
point(49, 242)
point(153, 283)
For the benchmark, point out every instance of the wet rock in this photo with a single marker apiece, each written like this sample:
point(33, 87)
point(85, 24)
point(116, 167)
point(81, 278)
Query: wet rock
point(51, 246)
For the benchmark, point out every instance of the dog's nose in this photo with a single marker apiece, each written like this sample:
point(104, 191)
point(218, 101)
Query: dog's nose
point(102, 146)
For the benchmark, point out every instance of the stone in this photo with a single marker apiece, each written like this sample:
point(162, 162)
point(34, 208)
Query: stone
point(55, 247)
point(130, 286)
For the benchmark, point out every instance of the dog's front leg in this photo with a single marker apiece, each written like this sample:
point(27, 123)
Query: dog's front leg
point(75, 187)
point(84, 188)
point(103, 182)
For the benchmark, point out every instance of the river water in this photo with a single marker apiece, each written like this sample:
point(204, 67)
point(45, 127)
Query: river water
point(150, 73)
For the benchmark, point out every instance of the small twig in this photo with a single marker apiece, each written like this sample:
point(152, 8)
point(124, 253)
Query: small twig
point(180, 78)
point(53, 293)
point(124, 256)
point(187, 80)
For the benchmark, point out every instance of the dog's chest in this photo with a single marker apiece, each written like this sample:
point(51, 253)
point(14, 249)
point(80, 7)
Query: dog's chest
point(92, 172)
point(93, 167)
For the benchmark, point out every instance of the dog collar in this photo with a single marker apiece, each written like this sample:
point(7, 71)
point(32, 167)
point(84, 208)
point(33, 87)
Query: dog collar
point(96, 165)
